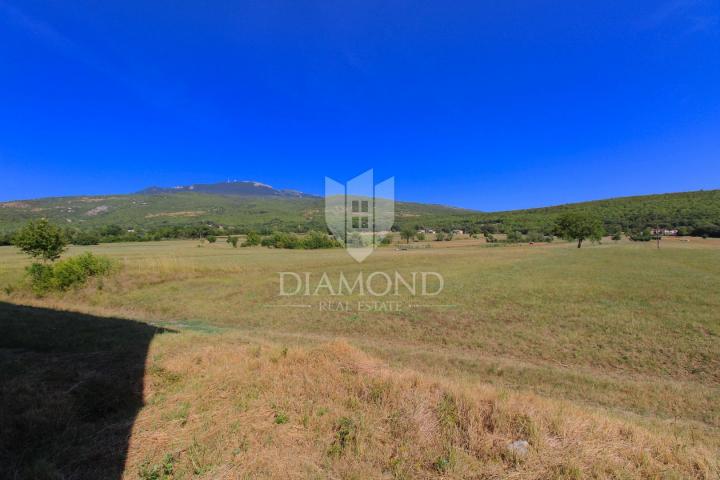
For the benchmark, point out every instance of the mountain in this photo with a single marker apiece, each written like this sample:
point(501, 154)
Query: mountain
point(247, 188)
point(253, 205)
point(244, 204)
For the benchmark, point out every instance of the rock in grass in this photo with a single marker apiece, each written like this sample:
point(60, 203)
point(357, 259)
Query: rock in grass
point(518, 448)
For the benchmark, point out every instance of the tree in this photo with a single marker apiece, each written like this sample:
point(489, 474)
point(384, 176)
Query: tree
point(211, 238)
point(617, 236)
point(232, 241)
point(579, 226)
point(252, 239)
point(40, 239)
point(407, 234)
point(421, 236)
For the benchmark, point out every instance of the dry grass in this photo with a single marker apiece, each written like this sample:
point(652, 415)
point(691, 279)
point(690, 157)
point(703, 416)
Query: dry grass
point(608, 354)
point(220, 407)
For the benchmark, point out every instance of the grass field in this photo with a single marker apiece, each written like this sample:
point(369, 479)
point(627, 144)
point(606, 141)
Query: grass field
point(606, 359)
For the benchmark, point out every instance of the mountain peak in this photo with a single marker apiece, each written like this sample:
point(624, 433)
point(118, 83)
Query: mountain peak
point(245, 188)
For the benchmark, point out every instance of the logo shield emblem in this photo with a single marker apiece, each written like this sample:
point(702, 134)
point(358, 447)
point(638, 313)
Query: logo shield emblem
point(360, 214)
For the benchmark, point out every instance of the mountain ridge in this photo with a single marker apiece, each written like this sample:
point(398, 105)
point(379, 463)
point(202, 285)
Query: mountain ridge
point(230, 187)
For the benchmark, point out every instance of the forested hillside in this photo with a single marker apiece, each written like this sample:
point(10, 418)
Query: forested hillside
point(696, 213)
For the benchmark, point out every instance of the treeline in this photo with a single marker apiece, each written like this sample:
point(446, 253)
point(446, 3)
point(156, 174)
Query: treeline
point(264, 237)
point(310, 241)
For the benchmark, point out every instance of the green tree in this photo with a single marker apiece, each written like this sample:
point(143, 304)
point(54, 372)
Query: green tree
point(211, 238)
point(252, 239)
point(617, 236)
point(407, 234)
point(40, 239)
point(232, 241)
point(579, 226)
point(421, 236)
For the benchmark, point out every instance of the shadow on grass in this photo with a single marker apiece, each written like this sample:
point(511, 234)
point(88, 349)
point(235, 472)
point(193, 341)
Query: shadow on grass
point(71, 386)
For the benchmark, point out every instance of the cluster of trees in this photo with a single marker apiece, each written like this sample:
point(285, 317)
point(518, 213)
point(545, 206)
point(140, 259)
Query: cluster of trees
point(310, 241)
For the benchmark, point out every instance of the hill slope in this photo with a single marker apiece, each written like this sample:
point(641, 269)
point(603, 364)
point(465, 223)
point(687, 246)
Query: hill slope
point(248, 205)
point(252, 205)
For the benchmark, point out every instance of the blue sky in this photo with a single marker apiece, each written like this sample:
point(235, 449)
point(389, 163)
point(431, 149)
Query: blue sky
point(482, 104)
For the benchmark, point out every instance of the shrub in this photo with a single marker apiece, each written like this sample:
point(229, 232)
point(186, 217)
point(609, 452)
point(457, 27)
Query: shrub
point(6, 239)
point(644, 236)
point(160, 471)
point(232, 241)
point(68, 273)
point(281, 240)
point(514, 237)
point(440, 236)
point(346, 432)
point(211, 238)
point(314, 240)
point(535, 236)
point(41, 277)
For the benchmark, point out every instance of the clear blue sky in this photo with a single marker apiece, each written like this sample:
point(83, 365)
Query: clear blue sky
point(481, 104)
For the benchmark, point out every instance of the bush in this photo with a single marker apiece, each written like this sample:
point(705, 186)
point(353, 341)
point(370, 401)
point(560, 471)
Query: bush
point(514, 237)
point(282, 240)
point(68, 273)
point(41, 277)
point(6, 239)
point(314, 240)
point(644, 236)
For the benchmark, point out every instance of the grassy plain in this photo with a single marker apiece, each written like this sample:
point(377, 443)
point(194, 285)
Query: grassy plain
point(612, 353)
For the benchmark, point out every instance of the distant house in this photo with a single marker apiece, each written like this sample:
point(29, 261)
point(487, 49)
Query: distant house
point(664, 232)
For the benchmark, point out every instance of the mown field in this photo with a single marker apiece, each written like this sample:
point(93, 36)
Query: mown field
point(606, 359)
